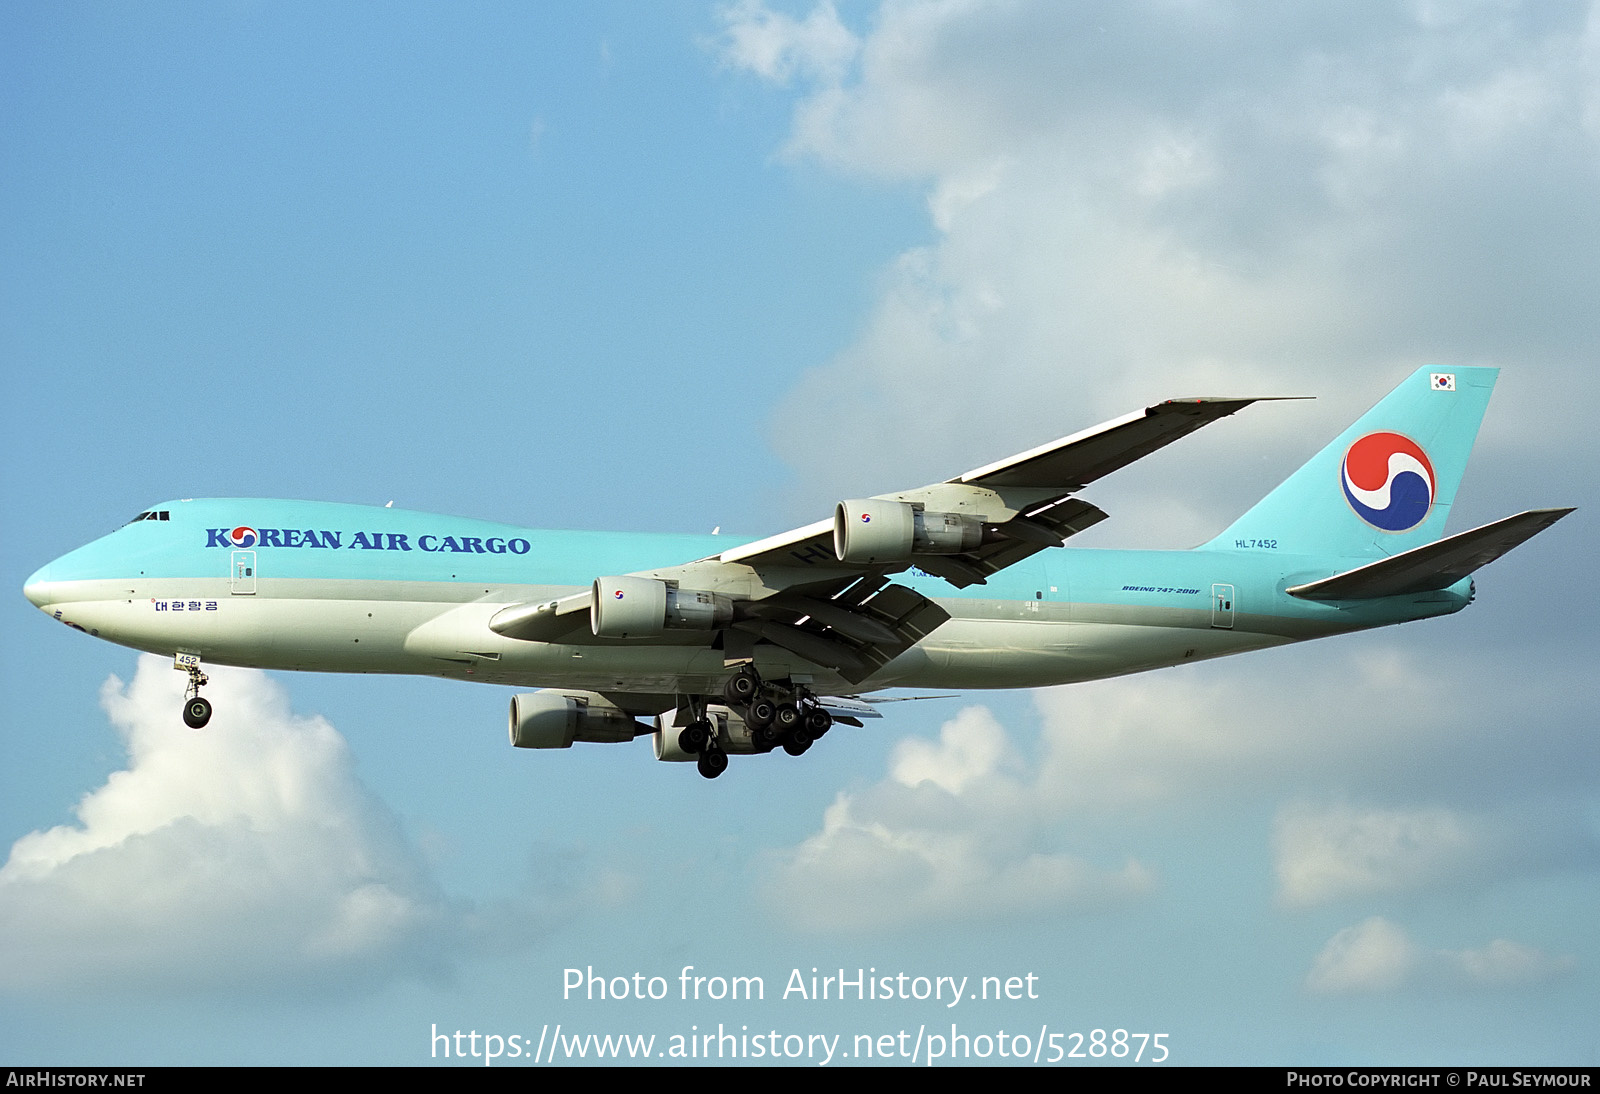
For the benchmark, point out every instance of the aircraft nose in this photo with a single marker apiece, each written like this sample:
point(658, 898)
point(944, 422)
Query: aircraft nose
point(37, 587)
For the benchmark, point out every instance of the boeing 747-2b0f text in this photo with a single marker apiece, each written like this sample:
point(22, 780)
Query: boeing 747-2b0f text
point(714, 649)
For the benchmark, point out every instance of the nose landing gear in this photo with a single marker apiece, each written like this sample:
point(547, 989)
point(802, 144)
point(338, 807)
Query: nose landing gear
point(196, 711)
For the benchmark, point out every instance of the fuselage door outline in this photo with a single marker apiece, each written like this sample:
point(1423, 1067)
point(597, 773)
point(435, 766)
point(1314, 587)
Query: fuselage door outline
point(244, 573)
point(1222, 606)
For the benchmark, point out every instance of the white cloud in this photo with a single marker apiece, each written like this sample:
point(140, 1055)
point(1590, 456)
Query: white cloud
point(1378, 957)
point(1375, 956)
point(1377, 717)
point(947, 836)
point(973, 824)
point(1200, 731)
point(776, 46)
point(1335, 852)
point(1136, 201)
point(1506, 963)
point(246, 854)
point(971, 746)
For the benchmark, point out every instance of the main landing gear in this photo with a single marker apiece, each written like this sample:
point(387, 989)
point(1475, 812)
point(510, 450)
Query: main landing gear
point(196, 711)
point(778, 715)
point(697, 739)
point(712, 762)
point(787, 716)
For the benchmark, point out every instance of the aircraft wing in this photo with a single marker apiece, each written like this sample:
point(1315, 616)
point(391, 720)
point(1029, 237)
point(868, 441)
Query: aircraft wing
point(1024, 501)
point(1073, 462)
point(823, 591)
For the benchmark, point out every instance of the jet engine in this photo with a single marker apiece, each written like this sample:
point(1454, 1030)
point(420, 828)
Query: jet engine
point(554, 719)
point(873, 530)
point(642, 607)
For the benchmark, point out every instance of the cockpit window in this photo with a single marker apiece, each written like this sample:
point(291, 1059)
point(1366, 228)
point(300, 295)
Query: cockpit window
point(152, 514)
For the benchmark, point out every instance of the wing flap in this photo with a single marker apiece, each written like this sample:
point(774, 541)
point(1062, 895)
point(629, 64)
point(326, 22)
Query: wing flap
point(1016, 540)
point(863, 627)
point(828, 652)
point(844, 706)
point(1433, 566)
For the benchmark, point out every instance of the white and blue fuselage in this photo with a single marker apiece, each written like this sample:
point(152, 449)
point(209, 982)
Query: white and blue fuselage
point(346, 588)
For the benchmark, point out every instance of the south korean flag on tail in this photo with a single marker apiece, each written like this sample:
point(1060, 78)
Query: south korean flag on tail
point(1443, 381)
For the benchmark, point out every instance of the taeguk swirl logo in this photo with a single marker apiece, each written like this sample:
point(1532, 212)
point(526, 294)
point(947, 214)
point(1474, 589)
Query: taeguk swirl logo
point(243, 536)
point(1388, 481)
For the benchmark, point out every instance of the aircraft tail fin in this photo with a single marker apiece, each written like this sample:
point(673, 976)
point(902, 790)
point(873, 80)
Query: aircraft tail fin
point(1386, 484)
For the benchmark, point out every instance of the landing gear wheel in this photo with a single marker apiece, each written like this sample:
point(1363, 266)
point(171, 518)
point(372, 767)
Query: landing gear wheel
point(788, 718)
point(818, 722)
point(741, 687)
point(760, 713)
point(797, 746)
point(693, 739)
point(196, 713)
point(712, 762)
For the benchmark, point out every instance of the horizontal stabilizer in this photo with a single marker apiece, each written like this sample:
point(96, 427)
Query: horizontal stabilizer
point(1433, 566)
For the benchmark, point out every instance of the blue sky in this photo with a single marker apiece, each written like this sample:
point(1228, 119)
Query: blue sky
point(673, 267)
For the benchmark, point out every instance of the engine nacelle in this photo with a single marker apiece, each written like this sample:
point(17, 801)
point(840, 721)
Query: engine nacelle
point(869, 530)
point(947, 533)
point(642, 607)
point(872, 530)
point(728, 729)
point(554, 719)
